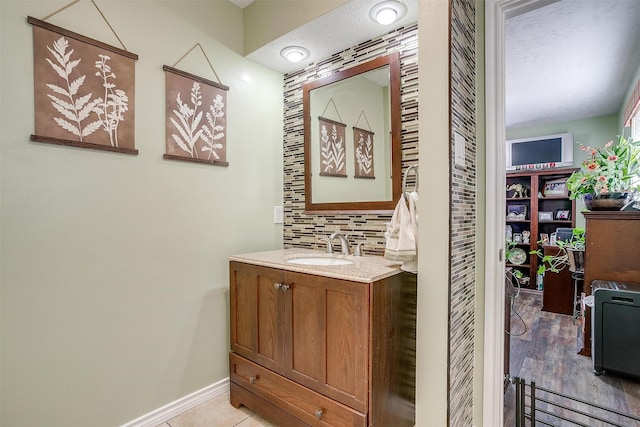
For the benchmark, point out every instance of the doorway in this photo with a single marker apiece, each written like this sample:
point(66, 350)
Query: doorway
point(497, 11)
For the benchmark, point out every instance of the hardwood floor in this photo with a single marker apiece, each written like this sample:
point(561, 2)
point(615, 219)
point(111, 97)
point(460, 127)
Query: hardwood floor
point(545, 352)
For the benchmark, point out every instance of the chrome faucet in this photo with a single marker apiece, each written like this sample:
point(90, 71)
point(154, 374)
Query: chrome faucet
point(328, 242)
point(344, 243)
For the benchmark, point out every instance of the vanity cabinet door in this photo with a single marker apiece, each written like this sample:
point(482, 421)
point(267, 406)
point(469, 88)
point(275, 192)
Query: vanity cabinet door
point(257, 314)
point(327, 336)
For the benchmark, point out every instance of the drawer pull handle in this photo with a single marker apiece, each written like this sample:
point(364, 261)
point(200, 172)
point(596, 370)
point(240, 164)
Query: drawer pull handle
point(253, 380)
point(319, 413)
point(277, 285)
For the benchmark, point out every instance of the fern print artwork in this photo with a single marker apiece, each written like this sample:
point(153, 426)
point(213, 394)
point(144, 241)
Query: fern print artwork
point(84, 91)
point(196, 118)
point(332, 148)
point(363, 149)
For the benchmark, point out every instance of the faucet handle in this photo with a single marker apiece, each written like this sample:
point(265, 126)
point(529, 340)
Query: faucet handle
point(328, 242)
point(358, 251)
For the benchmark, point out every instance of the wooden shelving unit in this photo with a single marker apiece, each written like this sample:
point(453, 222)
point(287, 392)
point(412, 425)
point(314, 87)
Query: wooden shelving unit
point(537, 183)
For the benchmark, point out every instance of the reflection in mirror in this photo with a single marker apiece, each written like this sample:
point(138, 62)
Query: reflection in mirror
point(352, 138)
point(362, 104)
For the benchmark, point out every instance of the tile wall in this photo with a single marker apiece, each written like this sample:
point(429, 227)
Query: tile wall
point(462, 293)
point(300, 229)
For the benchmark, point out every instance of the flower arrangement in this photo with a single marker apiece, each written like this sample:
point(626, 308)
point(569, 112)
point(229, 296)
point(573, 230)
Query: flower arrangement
point(609, 169)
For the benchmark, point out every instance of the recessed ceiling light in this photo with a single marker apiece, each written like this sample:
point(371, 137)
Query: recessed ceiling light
point(387, 12)
point(294, 53)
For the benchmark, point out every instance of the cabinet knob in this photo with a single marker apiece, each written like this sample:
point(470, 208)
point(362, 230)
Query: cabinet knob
point(253, 380)
point(277, 285)
point(319, 413)
point(285, 287)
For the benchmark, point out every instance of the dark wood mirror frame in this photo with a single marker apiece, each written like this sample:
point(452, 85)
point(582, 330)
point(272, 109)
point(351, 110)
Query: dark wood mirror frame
point(393, 61)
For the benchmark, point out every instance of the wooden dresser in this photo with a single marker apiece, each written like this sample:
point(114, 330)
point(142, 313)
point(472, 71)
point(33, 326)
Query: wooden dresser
point(612, 253)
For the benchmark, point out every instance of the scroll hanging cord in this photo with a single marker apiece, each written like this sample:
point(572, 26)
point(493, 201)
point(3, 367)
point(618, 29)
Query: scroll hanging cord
point(334, 106)
point(99, 11)
point(206, 57)
point(365, 118)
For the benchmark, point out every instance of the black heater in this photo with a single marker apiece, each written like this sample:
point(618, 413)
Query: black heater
point(615, 319)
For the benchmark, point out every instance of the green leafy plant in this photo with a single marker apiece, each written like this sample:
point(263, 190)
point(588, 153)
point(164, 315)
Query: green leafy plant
point(556, 263)
point(609, 169)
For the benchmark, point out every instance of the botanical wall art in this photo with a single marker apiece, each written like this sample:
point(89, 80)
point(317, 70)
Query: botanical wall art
point(84, 91)
point(196, 118)
point(332, 148)
point(363, 149)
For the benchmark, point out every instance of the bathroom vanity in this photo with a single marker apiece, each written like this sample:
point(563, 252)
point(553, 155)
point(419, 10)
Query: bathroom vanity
point(322, 339)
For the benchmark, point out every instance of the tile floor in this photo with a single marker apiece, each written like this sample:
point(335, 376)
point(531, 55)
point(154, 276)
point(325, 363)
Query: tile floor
point(218, 412)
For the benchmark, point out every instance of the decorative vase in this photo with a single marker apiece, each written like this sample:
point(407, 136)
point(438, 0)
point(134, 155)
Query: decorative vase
point(608, 201)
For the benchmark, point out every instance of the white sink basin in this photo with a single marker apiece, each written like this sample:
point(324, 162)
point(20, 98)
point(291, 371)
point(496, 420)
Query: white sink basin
point(322, 261)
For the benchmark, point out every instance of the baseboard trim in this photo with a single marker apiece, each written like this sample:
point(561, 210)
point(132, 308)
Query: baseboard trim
point(175, 408)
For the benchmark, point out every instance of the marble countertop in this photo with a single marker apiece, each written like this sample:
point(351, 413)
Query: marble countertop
point(365, 269)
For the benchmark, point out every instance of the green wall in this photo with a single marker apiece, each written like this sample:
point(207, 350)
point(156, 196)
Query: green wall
point(593, 132)
point(114, 278)
point(432, 331)
point(267, 20)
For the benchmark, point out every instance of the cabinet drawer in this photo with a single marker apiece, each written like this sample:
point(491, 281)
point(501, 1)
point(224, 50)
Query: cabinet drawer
point(295, 399)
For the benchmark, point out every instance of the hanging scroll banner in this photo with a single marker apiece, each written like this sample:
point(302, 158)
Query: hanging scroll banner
point(84, 91)
point(363, 149)
point(332, 148)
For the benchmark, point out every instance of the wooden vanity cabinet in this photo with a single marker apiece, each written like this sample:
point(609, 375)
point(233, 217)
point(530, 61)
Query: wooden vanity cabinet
point(312, 350)
point(257, 315)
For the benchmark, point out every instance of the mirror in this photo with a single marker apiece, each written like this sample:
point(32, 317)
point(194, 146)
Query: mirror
point(352, 130)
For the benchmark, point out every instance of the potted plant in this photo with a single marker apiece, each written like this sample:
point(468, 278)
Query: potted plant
point(610, 177)
point(571, 253)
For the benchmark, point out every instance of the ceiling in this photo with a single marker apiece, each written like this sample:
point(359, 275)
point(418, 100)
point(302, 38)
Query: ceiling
point(568, 60)
point(337, 30)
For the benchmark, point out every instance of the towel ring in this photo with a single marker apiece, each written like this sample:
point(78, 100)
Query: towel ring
point(404, 178)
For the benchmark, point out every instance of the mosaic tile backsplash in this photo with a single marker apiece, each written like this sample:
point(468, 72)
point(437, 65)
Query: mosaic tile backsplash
point(462, 288)
point(300, 229)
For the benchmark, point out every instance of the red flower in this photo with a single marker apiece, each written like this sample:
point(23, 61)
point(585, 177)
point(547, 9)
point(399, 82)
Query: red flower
point(612, 157)
point(602, 178)
point(592, 166)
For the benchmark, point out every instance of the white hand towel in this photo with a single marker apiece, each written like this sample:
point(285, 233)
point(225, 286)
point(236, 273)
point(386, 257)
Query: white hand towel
point(402, 232)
